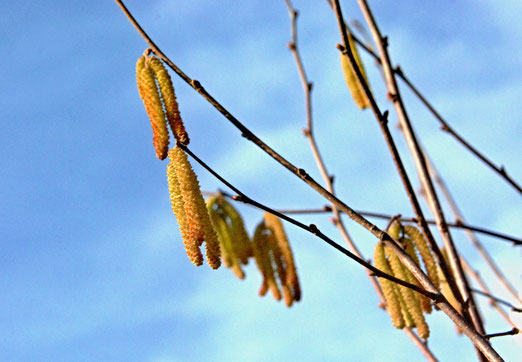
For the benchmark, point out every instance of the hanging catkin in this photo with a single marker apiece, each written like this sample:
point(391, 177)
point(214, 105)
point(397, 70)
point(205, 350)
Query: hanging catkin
point(358, 95)
point(191, 211)
point(150, 95)
point(170, 103)
point(388, 287)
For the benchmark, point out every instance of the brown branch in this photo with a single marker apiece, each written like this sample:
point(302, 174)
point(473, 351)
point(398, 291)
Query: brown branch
point(470, 307)
point(496, 299)
point(475, 275)
point(445, 126)
point(441, 302)
point(310, 228)
point(512, 332)
point(309, 134)
point(474, 335)
point(456, 225)
point(476, 243)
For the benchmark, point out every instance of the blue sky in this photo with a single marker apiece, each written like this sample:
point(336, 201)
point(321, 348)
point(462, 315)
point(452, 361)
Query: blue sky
point(93, 266)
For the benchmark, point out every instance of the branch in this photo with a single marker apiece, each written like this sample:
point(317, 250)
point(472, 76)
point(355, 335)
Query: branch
point(457, 225)
point(512, 332)
point(470, 307)
point(496, 299)
point(441, 302)
point(474, 335)
point(312, 228)
point(499, 170)
point(309, 134)
point(476, 243)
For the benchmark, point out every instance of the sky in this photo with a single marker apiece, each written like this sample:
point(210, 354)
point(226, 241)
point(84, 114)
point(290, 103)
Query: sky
point(93, 266)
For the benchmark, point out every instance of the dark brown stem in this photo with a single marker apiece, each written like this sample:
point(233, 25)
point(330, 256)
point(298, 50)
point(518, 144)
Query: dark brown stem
point(456, 225)
point(496, 299)
point(470, 307)
point(309, 134)
point(512, 332)
point(474, 335)
point(310, 228)
point(445, 126)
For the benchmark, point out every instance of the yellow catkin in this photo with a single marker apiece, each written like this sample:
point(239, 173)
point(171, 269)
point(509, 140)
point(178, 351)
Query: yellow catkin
point(410, 250)
point(170, 103)
point(281, 269)
point(264, 262)
point(425, 251)
point(388, 288)
point(149, 93)
point(198, 222)
point(275, 224)
point(241, 238)
point(350, 77)
point(178, 206)
point(412, 303)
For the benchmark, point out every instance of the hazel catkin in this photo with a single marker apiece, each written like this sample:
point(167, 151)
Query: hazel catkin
point(150, 95)
point(356, 90)
point(194, 219)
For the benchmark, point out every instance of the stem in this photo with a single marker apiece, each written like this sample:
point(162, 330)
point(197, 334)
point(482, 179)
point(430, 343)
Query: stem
point(309, 134)
point(476, 243)
point(422, 169)
point(310, 228)
point(457, 225)
point(474, 335)
point(512, 332)
point(499, 170)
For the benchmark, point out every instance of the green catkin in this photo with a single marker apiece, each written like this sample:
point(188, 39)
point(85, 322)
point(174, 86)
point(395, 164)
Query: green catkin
point(240, 236)
point(264, 262)
point(411, 301)
point(388, 288)
point(358, 95)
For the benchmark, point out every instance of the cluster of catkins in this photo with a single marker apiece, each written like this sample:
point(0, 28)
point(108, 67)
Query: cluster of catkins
point(406, 307)
point(269, 246)
point(215, 223)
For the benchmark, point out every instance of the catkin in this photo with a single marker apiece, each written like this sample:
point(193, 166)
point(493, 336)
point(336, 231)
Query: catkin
point(195, 222)
point(150, 95)
point(240, 235)
point(425, 251)
point(358, 95)
point(411, 301)
point(264, 262)
point(388, 288)
point(231, 233)
point(410, 250)
point(170, 103)
point(275, 224)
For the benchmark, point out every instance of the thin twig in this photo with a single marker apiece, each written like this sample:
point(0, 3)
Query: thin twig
point(460, 220)
point(440, 302)
point(445, 126)
point(475, 275)
point(496, 299)
point(512, 332)
point(422, 169)
point(293, 45)
point(456, 225)
point(312, 228)
point(474, 335)
point(423, 347)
